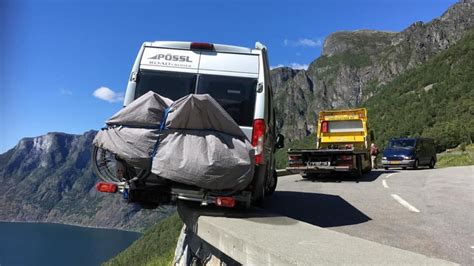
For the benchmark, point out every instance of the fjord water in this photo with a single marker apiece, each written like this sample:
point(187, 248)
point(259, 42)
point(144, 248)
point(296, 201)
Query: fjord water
point(57, 244)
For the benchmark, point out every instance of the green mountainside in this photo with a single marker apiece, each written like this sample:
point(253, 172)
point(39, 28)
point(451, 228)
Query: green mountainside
point(155, 247)
point(434, 100)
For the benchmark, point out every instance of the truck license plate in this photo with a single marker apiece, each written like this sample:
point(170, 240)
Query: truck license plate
point(318, 164)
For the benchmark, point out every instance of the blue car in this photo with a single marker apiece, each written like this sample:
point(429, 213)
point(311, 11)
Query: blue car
point(409, 152)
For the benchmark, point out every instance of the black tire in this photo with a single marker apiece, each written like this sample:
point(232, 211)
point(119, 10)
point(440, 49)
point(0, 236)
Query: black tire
point(367, 170)
point(359, 171)
point(271, 184)
point(310, 176)
point(260, 201)
point(432, 163)
point(386, 168)
point(416, 164)
point(404, 168)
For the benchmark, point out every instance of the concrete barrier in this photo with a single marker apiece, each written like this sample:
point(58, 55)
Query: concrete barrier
point(259, 238)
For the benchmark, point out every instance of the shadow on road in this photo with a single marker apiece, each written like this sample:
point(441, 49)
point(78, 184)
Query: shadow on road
point(314, 208)
point(342, 177)
point(190, 212)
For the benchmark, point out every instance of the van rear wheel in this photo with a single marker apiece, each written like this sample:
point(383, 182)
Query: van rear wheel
point(271, 184)
point(432, 163)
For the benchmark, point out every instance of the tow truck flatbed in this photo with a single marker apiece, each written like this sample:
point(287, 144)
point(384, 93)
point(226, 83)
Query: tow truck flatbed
point(326, 151)
point(342, 141)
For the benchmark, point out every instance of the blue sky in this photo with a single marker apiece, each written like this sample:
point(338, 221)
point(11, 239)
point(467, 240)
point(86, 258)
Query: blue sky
point(55, 54)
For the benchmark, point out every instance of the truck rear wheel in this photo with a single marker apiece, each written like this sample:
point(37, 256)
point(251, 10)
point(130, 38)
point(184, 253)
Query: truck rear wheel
point(359, 172)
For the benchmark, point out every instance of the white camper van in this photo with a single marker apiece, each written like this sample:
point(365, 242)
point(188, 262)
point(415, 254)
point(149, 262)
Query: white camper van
point(238, 79)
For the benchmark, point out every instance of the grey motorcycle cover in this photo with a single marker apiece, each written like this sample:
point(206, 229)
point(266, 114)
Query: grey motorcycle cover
point(193, 141)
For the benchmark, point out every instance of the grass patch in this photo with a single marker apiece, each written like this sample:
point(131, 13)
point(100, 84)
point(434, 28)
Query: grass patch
point(155, 247)
point(457, 157)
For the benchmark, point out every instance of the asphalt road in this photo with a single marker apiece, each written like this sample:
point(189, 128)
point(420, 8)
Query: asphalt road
point(428, 211)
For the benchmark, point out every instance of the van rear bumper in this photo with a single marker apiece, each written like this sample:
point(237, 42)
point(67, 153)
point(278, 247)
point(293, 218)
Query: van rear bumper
point(207, 198)
point(158, 195)
point(401, 163)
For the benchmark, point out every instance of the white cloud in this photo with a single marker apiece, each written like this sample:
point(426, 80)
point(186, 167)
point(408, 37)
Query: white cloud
point(65, 92)
point(108, 95)
point(277, 66)
point(292, 65)
point(299, 66)
point(303, 42)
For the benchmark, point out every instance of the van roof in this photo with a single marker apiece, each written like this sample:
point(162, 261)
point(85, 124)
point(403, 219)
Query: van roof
point(217, 47)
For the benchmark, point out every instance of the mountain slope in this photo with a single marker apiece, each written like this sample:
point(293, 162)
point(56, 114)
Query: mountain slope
point(50, 179)
point(435, 99)
point(353, 64)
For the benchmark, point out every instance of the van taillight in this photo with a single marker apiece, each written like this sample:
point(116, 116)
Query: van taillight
point(258, 139)
point(225, 202)
point(324, 127)
point(202, 46)
point(106, 187)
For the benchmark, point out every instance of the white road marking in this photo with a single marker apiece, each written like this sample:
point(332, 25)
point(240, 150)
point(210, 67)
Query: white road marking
point(389, 175)
point(384, 183)
point(404, 203)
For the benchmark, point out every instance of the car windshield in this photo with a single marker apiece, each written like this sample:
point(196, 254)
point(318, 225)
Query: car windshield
point(235, 94)
point(402, 143)
point(173, 85)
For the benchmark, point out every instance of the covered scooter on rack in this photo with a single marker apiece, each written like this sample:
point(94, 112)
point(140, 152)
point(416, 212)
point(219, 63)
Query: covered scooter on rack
point(191, 141)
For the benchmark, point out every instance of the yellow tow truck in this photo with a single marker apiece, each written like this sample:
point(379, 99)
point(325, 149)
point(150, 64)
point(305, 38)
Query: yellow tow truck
point(343, 144)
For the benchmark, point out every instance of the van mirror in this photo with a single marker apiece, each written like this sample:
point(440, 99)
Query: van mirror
point(372, 136)
point(280, 141)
